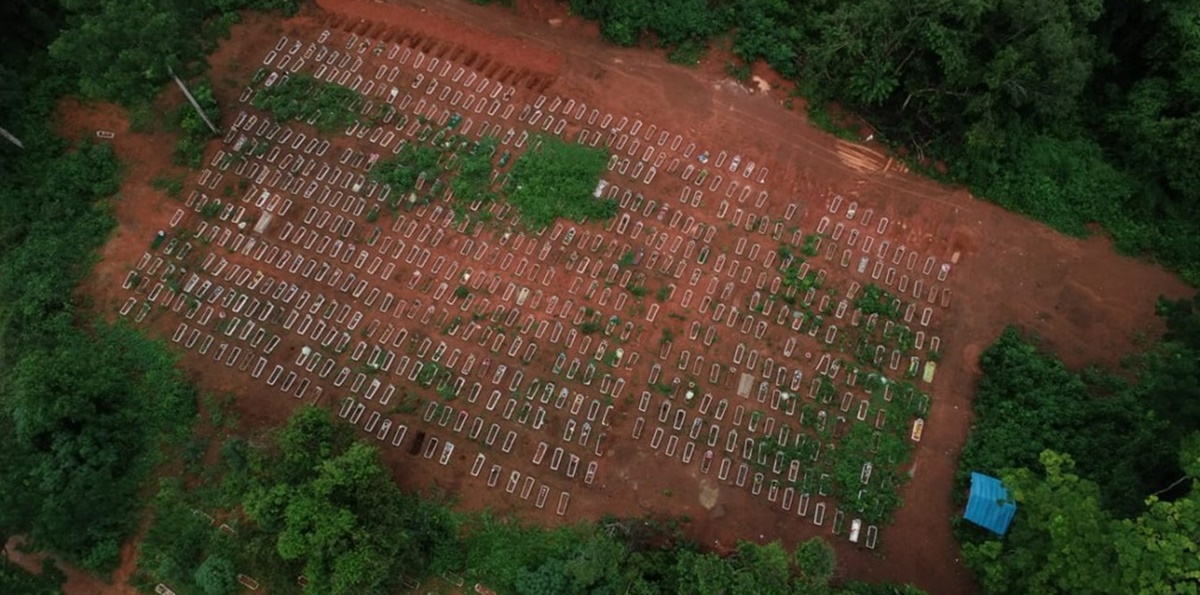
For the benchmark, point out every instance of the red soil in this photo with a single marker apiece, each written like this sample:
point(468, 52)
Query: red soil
point(1086, 302)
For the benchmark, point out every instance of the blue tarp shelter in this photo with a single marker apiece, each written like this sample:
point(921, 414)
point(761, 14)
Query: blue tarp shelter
point(989, 505)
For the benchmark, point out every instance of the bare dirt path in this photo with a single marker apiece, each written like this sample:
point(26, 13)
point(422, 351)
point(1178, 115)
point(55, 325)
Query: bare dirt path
point(1086, 302)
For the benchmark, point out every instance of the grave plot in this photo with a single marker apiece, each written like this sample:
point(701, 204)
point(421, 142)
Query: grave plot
point(350, 244)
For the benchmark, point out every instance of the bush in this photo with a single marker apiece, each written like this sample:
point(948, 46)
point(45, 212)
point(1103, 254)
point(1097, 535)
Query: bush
point(557, 179)
point(302, 97)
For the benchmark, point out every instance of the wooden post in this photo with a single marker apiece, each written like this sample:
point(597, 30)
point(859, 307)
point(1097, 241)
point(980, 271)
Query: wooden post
point(192, 100)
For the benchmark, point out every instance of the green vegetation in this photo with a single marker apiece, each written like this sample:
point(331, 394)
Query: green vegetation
point(300, 97)
point(121, 51)
point(195, 133)
point(876, 300)
point(1028, 402)
point(83, 410)
point(16, 581)
point(429, 373)
point(1074, 112)
point(173, 186)
point(328, 508)
point(1065, 541)
point(86, 408)
point(810, 245)
point(189, 150)
point(1104, 469)
point(473, 181)
point(555, 179)
point(413, 162)
point(320, 504)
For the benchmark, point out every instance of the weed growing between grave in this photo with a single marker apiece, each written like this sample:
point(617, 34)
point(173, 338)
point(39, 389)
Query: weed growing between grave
point(876, 300)
point(556, 178)
point(856, 415)
point(325, 106)
point(473, 179)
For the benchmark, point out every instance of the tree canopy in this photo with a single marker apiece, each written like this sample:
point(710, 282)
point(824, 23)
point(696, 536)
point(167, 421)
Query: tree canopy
point(320, 504)
point(1104, 469)
point(1064, 541)
point(1074, 112)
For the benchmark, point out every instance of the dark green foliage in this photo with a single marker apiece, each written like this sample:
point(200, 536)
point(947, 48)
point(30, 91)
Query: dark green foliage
point(189, 150)
point(689, 52)
point(403, 171)
point(1091, 520)
point(83, 410)
point(636, 556)
point(88, 415)
point(1064, 542)
point(180, 542)
point(15, 580)
point(323, 505)
point(876, 300)
point(816, 560)
point(674, 23)
point(121, 51)
point(473, 180)
point(1027, 402)
point(1169, 373)
point(1074, 112)
point(87, 408)
point(216, 576)
point(304, 98)
point(557, 179)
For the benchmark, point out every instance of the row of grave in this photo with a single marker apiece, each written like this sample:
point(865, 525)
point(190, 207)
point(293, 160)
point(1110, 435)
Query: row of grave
point(530, 113)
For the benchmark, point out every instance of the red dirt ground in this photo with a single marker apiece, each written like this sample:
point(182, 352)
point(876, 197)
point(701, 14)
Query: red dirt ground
point(1086, 302)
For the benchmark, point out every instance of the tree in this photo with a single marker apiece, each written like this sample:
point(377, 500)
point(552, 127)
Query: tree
point(1028, 401)
point(1159, 552)
point(704, 574)
point(216, 576)
point(413, 162)
point(15, 580)
point(1064, 542)
point(816, 560)
point(121, 51)
point(333, 508)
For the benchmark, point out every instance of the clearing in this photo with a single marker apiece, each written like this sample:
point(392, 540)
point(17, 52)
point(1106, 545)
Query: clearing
point(750, 341)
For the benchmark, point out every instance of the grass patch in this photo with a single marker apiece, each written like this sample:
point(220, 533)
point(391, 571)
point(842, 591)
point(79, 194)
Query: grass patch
point(413, 161)
point(474, 179)
point(688, 53)
point(555, 179)
point(304, 98)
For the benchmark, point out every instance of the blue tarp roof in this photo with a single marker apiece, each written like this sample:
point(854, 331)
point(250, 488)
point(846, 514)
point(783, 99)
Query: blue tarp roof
point(989, 505)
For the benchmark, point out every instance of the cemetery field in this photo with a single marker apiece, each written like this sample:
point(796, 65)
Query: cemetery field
point(775, 335)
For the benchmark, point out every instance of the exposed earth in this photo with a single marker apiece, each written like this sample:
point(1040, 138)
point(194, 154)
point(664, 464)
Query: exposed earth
point(1087, 304)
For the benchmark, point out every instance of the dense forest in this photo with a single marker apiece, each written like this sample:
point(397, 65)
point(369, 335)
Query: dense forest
point(1105, 468)
point(1074, 112)
point(86, 407)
